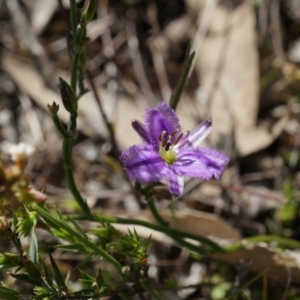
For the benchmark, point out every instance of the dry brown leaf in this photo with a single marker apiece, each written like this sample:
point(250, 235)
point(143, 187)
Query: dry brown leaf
point(228, 68)
point(195, 222)
point(278, 266)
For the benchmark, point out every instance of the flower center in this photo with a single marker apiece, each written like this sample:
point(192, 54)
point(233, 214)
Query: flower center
point(168, 146)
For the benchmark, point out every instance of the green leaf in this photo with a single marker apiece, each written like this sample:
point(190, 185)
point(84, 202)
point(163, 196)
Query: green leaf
point(63, 234)
point(32, 269)
point(46, 296)
point(42, 293)
point(45, 273)
point(146, 243)
point(85, 261)
point(57, 275)
point(9, 260)
point(9, 294)
point(33, 248)
point(68, 96)
point(86, 278)
point(99, 279)
point(72, 247)
point(86, 292)
point(25, 224)
point(26, 278)
point(52, 221)
point(89, 9)
point(89, 245)
point(101, 232)
point(78, 228)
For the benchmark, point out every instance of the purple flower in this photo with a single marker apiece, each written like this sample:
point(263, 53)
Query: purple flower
point(166, 153)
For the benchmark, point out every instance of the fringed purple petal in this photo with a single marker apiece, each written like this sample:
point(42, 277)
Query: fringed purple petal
point(139, 127)
point(158, 119)
point(143, 163)
point(175, 183)
point(199, 134)
point(201, 163)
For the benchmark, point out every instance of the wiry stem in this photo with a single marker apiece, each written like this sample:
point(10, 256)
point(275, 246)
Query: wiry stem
point(67, 157)
point(183, 79)
point(175, 234)
point(155, 212)
point(74, 20)
point(75, 63)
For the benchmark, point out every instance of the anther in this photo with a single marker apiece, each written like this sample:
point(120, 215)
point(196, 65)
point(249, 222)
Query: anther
point(178, 138)
point(162, 136)
point(173, 133)
point(164, 142)
point(167, 145)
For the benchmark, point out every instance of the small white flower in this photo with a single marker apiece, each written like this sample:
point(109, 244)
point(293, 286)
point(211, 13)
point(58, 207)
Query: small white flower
point(19, 153)
point(18, 150)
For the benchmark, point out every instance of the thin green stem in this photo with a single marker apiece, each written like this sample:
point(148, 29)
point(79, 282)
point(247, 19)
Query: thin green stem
point(173, 213)
point(174, 236)
point(67, 157)
point(75, 64)
point(190, 246)
point(72, 123)
point(282, 241)
point(169, 231)
point(82, 89)
point(155, 212)
point(59, 126)
point(74, 20)
point(183, 79)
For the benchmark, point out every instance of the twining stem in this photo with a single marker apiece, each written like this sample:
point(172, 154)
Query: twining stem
point(68, 139)
point(108, 124)
point(173, 213)
point(176, 234)
point(67, 157)
point(281, 241)
point(155, 212)
point(69, 134)
point(183, 79)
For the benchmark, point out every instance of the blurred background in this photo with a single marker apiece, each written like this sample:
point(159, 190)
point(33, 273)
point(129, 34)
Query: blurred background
point(245, 76)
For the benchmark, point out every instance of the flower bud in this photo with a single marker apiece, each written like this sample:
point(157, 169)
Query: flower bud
point(89, 9)
point(53, 108)
point(37, 195)
point(68, 96)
